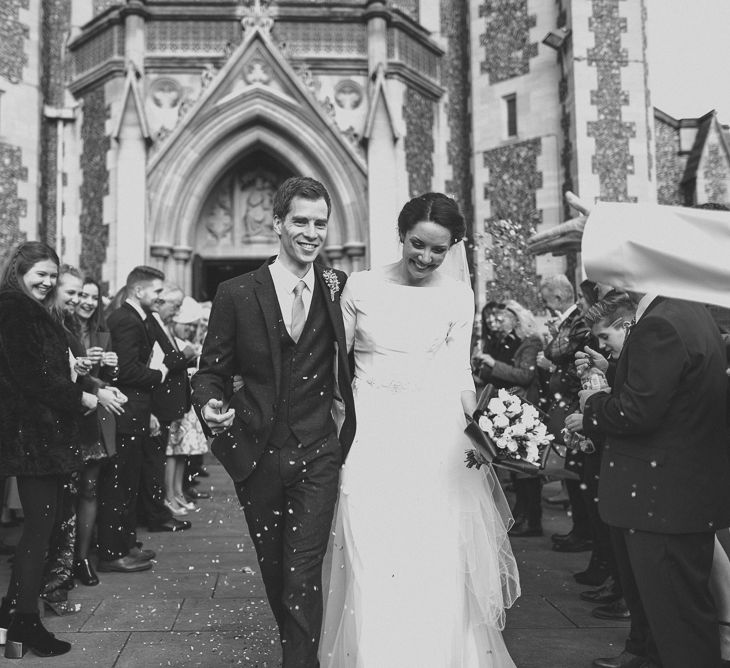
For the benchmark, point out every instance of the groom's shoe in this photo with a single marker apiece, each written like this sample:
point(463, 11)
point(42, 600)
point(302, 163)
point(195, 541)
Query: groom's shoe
point(614, 611)
point(623, 660)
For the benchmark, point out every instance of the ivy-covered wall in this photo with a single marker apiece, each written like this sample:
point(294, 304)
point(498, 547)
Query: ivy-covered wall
point(514, 180)
point(95, 183)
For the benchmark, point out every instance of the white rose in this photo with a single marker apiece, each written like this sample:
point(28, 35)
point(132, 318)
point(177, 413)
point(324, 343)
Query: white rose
point(501, 421)
point(496, 407)
point(518, 430)
point(512, 446)
point(504, 443)
point(485, 424)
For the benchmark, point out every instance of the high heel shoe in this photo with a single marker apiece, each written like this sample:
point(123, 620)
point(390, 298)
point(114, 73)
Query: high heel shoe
point(175, 509)
point(58, 603)
point(7, 608)
point(188, 505)
point(84, 572)
point(27, 633)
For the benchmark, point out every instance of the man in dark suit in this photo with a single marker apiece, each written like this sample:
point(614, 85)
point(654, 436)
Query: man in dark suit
point(119, 484)
point(665, 480)
point(280, 328)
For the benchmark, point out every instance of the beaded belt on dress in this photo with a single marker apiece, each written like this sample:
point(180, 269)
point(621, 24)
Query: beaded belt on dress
point(388, 385)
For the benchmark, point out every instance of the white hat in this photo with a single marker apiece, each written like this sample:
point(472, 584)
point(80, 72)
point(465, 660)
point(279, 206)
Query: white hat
point(190, 312)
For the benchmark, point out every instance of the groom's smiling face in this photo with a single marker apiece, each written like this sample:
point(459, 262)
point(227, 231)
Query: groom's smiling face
point(302, 233)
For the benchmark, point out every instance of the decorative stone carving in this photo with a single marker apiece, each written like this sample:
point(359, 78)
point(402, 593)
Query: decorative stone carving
point(218, 217)
point(207, 76)
point(305, 74)
point(257, 191)
point(200, 37)
point(257, 15)
point(348, 94)
point(166, 93)
point(320, 39)
point(257, 71)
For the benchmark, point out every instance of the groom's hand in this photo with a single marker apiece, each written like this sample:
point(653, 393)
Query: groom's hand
point(217, 422)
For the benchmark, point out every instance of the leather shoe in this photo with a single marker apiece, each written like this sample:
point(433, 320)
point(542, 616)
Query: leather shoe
point(170, 525)
point(595, 575)
point(524, 530)
point(193, 494)
point(623, 660)
point(606, 594)
point(126, 564)
point(573, 544)
point(615, 611)
point(143, 555)
point(560, 537)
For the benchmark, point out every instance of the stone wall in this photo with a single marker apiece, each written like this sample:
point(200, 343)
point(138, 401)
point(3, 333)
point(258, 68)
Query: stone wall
point(456, 80)
point(716, 173)
point(95, 184)
point(612, 161)
point(12, 208)
point(418, 113)
point(506, 40)
point(514, 179)
point(669, 164)
point(54, 30)
point(13, 39)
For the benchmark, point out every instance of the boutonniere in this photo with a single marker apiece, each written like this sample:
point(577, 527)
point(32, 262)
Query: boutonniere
point(333, 283)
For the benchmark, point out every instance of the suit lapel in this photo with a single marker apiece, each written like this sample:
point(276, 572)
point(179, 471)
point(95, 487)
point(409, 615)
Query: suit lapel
point(333, 309)
point(266, 296)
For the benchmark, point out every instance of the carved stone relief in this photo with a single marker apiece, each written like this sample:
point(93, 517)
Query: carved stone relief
point(348, 94)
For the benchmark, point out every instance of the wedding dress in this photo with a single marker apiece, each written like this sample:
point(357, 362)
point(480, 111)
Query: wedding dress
point(422, 570)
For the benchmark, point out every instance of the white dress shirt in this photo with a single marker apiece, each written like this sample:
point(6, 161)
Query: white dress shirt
point(284, 284)
point(644, 304)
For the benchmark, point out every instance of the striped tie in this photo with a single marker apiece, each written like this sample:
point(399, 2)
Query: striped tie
point(297, 312)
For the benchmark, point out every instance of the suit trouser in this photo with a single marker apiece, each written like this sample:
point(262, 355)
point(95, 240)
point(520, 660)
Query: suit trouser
point(289, 503)
point(152, 483)
point(117, 493)
point(665, 580)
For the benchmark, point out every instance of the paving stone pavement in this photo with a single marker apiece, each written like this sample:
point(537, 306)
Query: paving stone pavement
point(203, 603)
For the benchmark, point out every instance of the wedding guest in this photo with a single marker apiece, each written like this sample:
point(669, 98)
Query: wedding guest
point(100, 443)
point(186, 437)
point(40, 410)
point(665, 480)
point(519, 376)
point(610, 320)
point(170, 401)
point(491, 326)
point(119, 482)
point(569, 334)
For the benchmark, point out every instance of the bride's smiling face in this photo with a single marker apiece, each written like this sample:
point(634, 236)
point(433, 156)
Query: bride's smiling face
point(424, 248)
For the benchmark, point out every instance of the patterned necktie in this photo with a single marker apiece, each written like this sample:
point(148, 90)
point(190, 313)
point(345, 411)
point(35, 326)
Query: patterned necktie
point(297, 311)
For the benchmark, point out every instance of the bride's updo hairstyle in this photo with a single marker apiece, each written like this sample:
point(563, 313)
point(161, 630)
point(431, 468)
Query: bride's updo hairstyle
point(435, 208)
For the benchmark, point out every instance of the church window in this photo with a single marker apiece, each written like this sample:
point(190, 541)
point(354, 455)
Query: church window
point(510, 107)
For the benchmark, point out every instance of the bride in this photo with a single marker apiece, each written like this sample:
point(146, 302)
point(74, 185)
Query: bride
point(422, 569)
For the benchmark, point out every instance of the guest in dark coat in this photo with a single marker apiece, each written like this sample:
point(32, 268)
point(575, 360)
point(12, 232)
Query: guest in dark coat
point(519, 376)
point(40, 408)
point(665, 479)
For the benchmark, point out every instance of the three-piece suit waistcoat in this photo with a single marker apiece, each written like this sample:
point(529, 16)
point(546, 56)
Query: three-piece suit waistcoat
point(306, 385)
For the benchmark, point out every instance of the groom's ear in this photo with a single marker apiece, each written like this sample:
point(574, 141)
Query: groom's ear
point(277, 226)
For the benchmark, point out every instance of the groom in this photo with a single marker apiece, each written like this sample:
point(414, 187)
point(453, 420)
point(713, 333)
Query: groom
point(280, 328)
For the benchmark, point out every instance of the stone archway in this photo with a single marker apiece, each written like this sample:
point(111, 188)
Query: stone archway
point(260, 121)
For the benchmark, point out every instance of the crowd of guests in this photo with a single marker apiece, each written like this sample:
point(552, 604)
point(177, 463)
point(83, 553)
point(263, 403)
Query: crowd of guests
point(651, 546)
point(96, 429)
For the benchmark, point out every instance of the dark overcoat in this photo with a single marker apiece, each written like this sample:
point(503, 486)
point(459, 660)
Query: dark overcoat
point(40, 407)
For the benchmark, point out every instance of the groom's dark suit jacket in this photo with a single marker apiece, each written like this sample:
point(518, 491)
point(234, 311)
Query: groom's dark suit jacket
point(245, 338)
point(665, 465)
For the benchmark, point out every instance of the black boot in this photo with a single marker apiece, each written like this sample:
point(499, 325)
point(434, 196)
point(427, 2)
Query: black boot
point(84, 571)
point(7, 608)
point(26, 632)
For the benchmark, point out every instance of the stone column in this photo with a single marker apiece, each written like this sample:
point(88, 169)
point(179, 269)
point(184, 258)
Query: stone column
point(181, 273)
point(355, 252)
point(382, 155)
point(161, 253)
